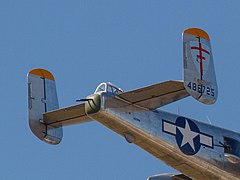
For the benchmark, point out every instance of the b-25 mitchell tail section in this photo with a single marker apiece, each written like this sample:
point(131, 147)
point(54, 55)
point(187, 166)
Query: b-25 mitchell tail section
point(199, 74)
point(42, 97)
point(197, 150)
point(45, 117)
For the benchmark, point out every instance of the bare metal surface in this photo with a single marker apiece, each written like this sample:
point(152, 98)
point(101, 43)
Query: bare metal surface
point(154, 96)
point(67, 116)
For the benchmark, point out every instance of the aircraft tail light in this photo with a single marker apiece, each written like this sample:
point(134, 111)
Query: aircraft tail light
point(93, 104)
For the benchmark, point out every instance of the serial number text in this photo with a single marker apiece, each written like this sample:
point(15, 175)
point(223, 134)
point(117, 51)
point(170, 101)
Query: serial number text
point(201, 88)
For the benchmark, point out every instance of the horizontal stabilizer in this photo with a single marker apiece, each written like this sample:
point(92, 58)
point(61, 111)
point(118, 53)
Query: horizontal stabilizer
point(199, 74)
point(155, 96)
point(66, 116)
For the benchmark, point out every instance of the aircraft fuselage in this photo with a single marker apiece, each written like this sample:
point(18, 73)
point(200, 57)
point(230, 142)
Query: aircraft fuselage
point(192, 147)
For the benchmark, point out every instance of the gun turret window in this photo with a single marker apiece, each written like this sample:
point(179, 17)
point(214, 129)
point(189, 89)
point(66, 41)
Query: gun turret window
point(232, 150)
point(108, 87)
point(101, 88)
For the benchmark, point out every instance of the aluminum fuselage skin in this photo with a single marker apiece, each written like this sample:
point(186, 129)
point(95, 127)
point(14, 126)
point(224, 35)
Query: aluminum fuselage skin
point(146, 130)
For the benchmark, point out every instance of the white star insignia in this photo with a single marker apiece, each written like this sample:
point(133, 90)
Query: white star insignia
point(188, 135)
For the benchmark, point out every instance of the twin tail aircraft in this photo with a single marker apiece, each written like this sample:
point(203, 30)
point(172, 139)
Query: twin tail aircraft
point(196, 149)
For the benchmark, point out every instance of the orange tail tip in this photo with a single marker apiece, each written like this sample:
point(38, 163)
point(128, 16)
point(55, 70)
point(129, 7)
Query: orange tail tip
point(197, 32)
point(43, 73)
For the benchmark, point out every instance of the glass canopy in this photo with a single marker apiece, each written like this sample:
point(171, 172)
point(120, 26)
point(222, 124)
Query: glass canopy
point(108, 87)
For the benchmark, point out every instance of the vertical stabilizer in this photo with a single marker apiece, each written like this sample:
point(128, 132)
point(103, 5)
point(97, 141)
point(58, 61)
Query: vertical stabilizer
point(42, 97)
point(199, 74)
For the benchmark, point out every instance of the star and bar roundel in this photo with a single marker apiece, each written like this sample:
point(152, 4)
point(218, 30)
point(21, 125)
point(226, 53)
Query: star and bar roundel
point(187, 134)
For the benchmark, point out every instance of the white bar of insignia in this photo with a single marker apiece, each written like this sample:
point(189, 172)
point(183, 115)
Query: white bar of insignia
point(170, 128)
point(206, 140)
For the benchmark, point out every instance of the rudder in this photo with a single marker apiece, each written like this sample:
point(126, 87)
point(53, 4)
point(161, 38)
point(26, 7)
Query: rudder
point(42, 97)
point(199, 74)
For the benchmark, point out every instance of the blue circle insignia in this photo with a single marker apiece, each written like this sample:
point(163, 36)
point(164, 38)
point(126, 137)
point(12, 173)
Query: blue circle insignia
point(187, 136)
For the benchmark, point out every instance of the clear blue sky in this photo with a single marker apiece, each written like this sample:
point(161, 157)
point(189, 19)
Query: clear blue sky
point(84, 42)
